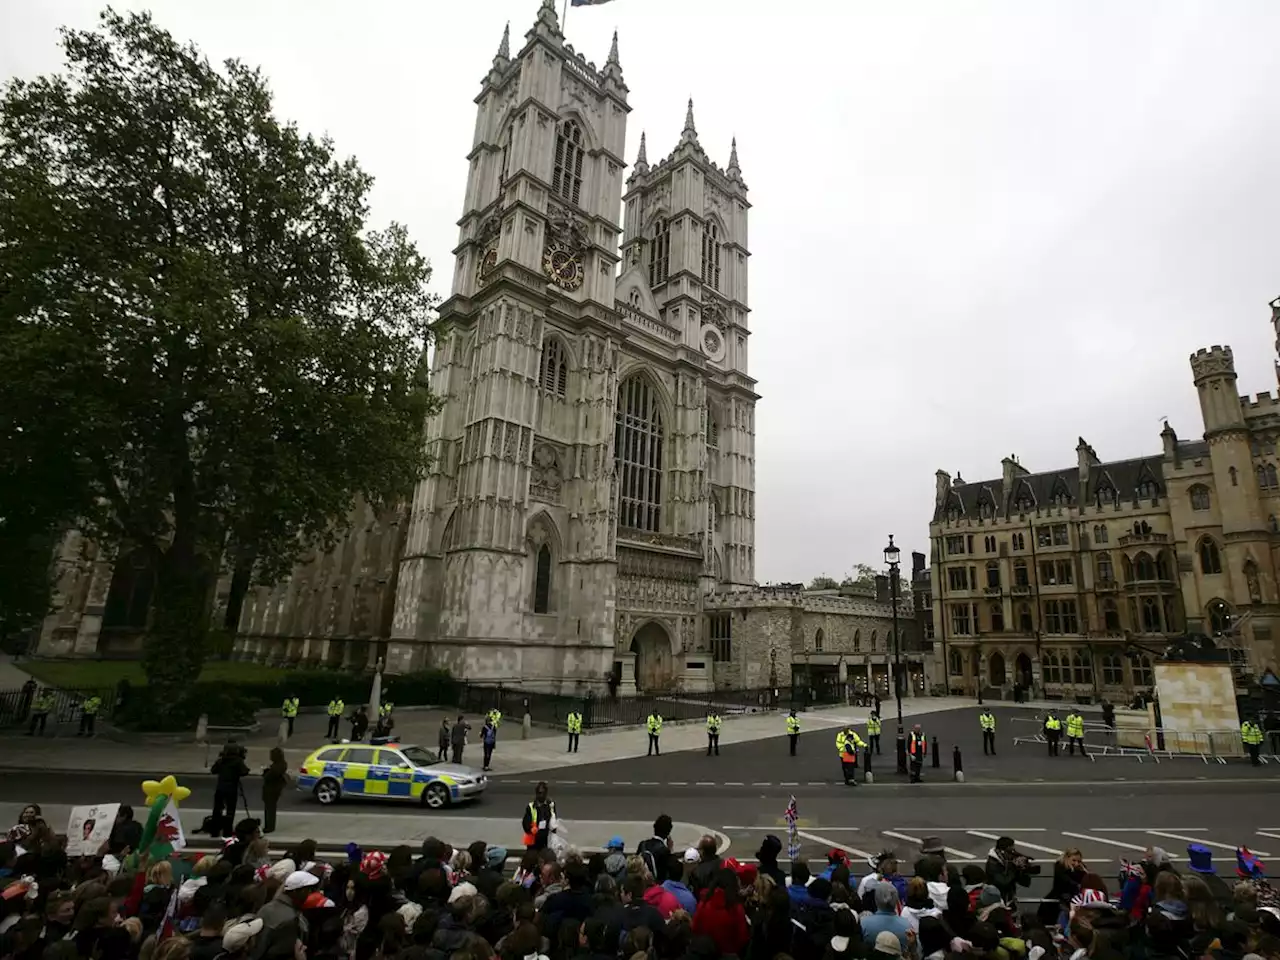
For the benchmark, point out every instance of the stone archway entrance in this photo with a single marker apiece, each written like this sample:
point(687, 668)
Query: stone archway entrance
point(997, 669)
point(655, 670)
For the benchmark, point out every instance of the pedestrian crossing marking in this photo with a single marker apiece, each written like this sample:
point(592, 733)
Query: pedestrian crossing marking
point(832, 843)
point(916, 840)
point(1112, 843)
point(1207, 843)
point(1273, 836)
point(1028, 845)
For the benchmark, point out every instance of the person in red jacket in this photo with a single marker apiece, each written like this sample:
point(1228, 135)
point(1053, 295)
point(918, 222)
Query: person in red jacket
point(720, 915)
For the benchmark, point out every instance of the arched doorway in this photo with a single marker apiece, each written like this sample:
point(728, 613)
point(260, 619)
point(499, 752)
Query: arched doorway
point(997, 671)
point(654, 668)
point(1022, 666)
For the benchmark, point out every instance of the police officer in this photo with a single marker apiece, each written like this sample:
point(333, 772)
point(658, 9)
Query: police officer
point(289, 711)
point(654, 726)
point(713, 733)
point(1052, 732)
point(574, 725)
point(385, 710)
point(89, 715)
point(793, 729)
point(41, 707)
point(873, 732)
point(847, 744)
point(987, 720)
point(917, 747)
point(336, 710)
point(1251, 736)
point(539, 820)
point(1075, 732)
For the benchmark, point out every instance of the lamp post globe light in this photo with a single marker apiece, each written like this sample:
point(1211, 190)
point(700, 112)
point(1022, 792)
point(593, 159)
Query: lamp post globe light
point(892, 557)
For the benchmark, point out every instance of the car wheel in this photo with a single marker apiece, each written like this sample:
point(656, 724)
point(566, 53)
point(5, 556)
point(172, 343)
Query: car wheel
point(328, 791)
point(436, 796)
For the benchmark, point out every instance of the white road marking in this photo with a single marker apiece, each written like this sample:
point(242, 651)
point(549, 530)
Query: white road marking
point(704, 783)
point(789, 783)
point(1202, 840)
point(910, 839)
point(622, 783)
point(733, 783)
point(1273, 836)
point(1147, 829)
point(1112, 843)
point(678, 783)
point(761, 783)
point(595, 783)
point(832, 843)
point(1028, 845)
point(926, 830)
point(649, 783)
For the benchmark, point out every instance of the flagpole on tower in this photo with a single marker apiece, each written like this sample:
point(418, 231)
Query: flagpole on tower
point(564, 14)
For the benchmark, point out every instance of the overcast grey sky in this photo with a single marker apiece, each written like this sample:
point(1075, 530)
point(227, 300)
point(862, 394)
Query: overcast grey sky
point(978, 228)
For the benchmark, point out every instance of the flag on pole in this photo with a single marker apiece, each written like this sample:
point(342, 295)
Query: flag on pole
point(586, 3)
point(791, 815)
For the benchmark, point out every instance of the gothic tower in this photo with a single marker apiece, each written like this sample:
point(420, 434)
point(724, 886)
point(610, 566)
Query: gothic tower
point(592, 468)
point(507, 571)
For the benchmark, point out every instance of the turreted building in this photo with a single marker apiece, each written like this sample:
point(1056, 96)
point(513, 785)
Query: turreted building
point(1069, 582)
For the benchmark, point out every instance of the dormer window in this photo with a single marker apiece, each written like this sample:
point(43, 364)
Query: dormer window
point(566, 178)
point(634, 298)
point(1146, 490)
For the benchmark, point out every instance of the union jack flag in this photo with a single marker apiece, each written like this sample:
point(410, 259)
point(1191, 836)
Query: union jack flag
point(792, 814)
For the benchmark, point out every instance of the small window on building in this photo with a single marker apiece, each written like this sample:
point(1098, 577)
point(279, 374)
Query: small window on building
point(1210, 558)
point(554, 378)
point(857, 641)
point(566, 177)
point(955, 663)
point(1199, 497)
point(1110, 616)
point(997, 618)
point(1100, 533)
point(993, 575)
point(955, 544)
point(542, 581)
point(660, 253)
point(961, 626)
point(1049, 667)
point(1019, 541)
point(818, 641)
point(721, 642)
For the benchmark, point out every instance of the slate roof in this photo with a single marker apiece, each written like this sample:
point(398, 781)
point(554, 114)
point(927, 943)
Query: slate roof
point(1119, 479)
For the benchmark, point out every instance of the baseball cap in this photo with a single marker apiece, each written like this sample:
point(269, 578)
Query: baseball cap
point(889, 943)
point(300, 880)
point(237, 936)
point(616, 843)
point(691, 855)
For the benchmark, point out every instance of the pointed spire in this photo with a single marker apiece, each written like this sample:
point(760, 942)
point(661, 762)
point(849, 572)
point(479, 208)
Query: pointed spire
point(548, 24)
point(504, 48)
point(690, 132)
point(734, 171)
point(613, 66)
point(642, 158)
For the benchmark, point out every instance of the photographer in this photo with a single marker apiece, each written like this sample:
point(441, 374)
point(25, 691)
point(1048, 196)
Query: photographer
point(230, 768)
point(1008, 869)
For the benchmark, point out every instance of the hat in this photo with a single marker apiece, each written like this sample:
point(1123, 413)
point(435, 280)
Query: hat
point(990, 896)
point(770, 847)
point(300, 880)
point(410, 913)
point(495, 857)
point(691, 855)
point(280, 869)
point(1247, 865)
point(1201, 859)
point(729, 863)
point(931, 845)
point(374, 864)
point(836, 855)
point(889, 943)
point(462, 890)
point(316, 900)
point(1005, 843)
point(616, 843)
point(237, 936)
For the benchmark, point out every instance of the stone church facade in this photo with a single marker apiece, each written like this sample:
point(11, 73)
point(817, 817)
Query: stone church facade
point(589, 510)
point(593, 465)
point(1073, 580)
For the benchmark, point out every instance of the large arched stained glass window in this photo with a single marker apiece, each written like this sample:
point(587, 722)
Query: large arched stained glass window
point(637, 452)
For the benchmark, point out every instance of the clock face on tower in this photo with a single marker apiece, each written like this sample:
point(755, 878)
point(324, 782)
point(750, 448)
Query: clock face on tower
point(563, 266)
point(488, 260)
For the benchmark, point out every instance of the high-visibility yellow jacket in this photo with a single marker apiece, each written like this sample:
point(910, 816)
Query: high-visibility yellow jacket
point(793, 724)
point(988, 720)
point(654, 723)
point(1250, 733)
point(1075, 725)
point(289, 708)
point(873, 726)
point(574, 722)
point(713, 723)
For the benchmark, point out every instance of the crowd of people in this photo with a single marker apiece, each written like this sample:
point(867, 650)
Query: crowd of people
point(656, 902)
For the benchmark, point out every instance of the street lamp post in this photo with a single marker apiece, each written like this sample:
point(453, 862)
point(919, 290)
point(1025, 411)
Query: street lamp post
point(892, 556)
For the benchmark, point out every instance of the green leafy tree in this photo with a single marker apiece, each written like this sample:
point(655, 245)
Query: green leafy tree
point(197, 325)
point(863, 574)
point(823, 583)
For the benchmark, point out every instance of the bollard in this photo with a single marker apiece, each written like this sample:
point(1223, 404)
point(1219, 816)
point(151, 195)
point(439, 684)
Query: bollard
point(867, 776)
point(202, 728)
point(958, 764)
point(526, 726)
point(282, 734)
point(937, 760)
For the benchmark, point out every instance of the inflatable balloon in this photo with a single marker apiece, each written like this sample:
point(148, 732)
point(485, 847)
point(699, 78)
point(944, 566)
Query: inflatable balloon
point(159, 794)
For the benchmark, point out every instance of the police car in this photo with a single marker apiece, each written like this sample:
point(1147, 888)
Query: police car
point(390, 771)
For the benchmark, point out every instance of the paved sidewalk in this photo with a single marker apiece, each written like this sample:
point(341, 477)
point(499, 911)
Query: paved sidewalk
point(545, 750)
point(387, 830)
point(12, 677)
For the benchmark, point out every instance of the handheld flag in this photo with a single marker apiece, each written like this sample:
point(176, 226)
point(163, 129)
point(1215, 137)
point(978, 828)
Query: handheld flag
point(791, 815)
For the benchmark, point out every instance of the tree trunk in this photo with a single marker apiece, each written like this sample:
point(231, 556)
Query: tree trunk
point(175, 646)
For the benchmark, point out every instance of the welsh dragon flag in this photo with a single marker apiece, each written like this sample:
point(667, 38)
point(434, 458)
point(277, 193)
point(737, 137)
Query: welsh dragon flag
point(169, 837)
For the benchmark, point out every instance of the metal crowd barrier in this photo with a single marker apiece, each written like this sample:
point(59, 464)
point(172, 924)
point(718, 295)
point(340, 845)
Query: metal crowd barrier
point(1159, 743)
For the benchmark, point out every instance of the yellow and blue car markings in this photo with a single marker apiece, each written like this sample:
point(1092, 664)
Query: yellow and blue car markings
point(377, 779)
